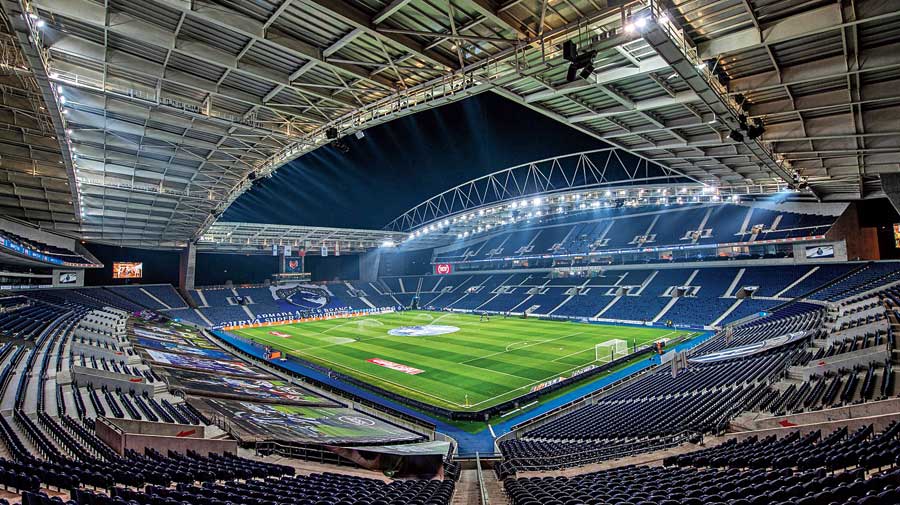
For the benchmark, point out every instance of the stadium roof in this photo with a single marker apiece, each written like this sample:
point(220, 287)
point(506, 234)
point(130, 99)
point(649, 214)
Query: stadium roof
point(258, 238)
point(165, 111)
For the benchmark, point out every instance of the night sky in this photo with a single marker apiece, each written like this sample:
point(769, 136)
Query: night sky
point(402, 162)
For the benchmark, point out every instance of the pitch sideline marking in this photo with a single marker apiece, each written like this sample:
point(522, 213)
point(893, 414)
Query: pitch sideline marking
point(449, 402)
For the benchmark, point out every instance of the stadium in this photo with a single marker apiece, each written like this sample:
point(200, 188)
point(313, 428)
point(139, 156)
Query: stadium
point(446, 252)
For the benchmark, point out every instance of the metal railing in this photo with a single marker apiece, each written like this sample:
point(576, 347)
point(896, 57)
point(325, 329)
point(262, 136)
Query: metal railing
point(483, 496)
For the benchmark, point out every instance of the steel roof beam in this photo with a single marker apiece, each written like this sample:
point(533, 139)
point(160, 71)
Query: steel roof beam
point(221, 16)
point(647, 65)
point(123, 61)
point(359, 20)
point(389, 10)
point(490, 12)
point(638, 106)
point(870, 60)
point(823, 19)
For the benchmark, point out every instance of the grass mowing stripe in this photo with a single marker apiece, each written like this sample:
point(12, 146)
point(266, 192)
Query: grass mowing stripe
point(489, 361)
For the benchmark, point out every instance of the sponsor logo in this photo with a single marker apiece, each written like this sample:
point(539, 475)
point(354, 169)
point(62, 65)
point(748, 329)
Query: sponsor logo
point(443, 268)
point(424, 330)
point(356, 421)
point(395, 366)
point(547, 384)
point(279, 334)
point(582, 370)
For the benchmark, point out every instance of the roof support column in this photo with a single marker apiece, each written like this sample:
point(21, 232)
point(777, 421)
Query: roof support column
point(187, 267)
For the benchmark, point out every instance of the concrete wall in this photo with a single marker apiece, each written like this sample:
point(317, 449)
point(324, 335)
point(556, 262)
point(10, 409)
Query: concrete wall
point(845, 360)
point(98, 352)
point(121, 435)
point(840, 252)
point(83, 376)
point(889, 407)
point(90, 333)
point(879, 423)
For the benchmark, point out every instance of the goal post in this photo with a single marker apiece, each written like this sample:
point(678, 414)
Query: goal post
point(610, 350)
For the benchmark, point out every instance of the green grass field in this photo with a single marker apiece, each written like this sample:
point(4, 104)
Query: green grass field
point(482, 364)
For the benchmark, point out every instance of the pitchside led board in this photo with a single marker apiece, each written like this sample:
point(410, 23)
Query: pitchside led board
point(443, 268)
point(127, 270)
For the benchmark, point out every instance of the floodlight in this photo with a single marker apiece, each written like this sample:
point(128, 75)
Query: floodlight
point(587, 71)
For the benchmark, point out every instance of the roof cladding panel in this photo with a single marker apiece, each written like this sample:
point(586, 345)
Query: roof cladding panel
point(156, 73)
point(128, 45)
point(308, 23)
point(195, 67)
point(226, 41)
point(158, 14)
point(266, 55)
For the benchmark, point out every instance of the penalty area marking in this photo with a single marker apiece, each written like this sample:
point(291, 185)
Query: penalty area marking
point(508, 393)
point(523, 347)
point(526, 342)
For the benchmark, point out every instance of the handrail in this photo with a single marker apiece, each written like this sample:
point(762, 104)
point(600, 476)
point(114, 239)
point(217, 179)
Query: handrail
point(481, 487)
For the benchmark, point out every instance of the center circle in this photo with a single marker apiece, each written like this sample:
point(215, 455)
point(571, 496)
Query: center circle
point(423, 330)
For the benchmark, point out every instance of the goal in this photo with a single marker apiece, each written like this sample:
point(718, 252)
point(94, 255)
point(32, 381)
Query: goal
point(610, 350)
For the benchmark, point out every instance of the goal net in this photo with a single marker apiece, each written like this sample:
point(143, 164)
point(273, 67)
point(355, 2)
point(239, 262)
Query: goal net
point(610, 350)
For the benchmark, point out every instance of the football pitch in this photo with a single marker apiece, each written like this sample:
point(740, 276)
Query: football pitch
point(478, 365)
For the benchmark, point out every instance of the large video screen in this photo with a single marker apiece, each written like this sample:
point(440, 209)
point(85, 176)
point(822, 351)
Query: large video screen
point(127, 270)
point(293, 265)
point(897, 235)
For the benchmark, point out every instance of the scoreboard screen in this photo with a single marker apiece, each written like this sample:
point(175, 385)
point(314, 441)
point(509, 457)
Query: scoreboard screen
point(127, 270)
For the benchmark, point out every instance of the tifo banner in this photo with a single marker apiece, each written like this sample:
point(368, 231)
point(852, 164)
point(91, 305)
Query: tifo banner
point(263, 389)
point(443, 268)
point(182, 349)
point(197, 363)
point(395, 366)
point(253, 421)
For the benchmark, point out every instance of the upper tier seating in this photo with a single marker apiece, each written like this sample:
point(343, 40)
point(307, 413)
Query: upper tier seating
point(60, 253)
point(140, 296)
point(607, 229)
point(167, 294)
